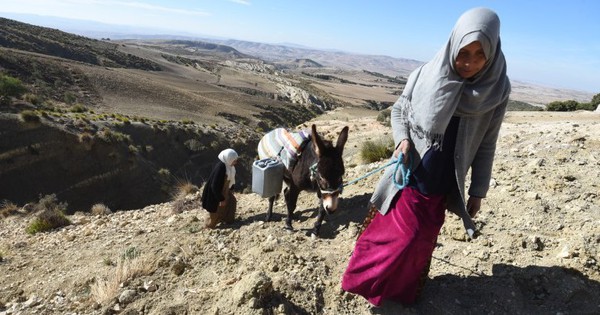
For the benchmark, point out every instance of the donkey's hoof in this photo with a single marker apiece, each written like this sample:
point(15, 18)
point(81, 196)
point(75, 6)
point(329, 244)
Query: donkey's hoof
point(288, 227)
point(267, 218)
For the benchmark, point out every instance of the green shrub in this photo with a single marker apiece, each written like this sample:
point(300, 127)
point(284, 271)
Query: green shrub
point(70, 98)
point(586, 106)
point(33, 98)
point(384, 117)
point(107, 135)
point(595, 100)
point(522, 106)
point(46, 221)
point(130, 253)
point(164, 173)
point(133, 149)
point(30, 116)
point(373, 151)
point(10, 87)
point(78, 108)
point(562, 106)
point(50, 215)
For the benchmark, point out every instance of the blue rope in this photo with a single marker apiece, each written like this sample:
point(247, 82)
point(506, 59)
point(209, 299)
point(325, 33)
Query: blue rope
point(405, 172)
point(403, 168)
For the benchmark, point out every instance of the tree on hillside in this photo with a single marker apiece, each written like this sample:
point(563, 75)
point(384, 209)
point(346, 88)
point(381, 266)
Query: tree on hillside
point(562, 106)
point(595, 100)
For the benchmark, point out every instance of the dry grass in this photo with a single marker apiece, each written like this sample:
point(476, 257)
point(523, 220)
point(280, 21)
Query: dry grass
point(100, 209)
point(184, 188)
point(7, 209)
point(106, 288)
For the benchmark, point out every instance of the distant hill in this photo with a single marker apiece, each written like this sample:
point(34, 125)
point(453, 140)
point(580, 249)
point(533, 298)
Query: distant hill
point(337, 59)
point(26, 37)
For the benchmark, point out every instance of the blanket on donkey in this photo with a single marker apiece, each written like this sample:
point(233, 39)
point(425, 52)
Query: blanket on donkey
point(283, 144)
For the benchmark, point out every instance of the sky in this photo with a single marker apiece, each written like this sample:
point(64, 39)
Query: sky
point(546, 42)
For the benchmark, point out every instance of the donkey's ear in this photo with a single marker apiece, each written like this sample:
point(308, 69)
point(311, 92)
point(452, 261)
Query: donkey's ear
point(341, 141)
point(316, 141)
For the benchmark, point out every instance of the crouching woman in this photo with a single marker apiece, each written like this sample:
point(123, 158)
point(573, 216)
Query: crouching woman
point(217, 196)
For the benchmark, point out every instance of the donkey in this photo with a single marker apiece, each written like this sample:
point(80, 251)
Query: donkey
point(319, 167)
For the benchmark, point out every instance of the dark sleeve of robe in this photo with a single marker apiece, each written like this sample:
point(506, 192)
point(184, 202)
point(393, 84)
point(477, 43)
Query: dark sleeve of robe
point(213, 189)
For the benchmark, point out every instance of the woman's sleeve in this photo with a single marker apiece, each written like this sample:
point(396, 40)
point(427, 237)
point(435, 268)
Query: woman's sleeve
point(219, 181)
point(399, 120)
point(481, 167)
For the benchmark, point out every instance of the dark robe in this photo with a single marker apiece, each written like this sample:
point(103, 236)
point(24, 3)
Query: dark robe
point(213, 189)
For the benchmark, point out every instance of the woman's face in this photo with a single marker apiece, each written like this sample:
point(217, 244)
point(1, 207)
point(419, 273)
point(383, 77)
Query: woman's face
point(470, 60)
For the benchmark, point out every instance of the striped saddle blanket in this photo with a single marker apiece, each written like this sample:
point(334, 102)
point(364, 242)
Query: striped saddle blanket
point(283, 144)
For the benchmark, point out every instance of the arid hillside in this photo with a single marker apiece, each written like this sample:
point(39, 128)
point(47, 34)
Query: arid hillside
point(538, 252)
point(168, 106)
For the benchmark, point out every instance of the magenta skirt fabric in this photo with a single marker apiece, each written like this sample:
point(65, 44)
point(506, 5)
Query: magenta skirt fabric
point(393, 251)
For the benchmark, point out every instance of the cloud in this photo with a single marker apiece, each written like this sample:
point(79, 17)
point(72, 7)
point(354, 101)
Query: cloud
point(244, 2)
point(151, 7)
point(136, 5)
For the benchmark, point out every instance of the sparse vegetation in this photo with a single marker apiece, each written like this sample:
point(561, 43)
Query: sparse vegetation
point(78, 108)
point(193, 145)
point(572, 105)
point(100, 209)
point(373, 151)
point(50, 215)
point(33, 98)
point(10, 87)
point(384, 117)
point(130, 266)
point(133, 149)
point(86, 138)
point(30, 116)
point(562, 106)
point(184, 188)
point(109, 135)
point(522, 106)
point(7, 208)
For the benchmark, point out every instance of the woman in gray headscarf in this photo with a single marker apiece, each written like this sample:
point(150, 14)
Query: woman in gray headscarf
point(446, 121)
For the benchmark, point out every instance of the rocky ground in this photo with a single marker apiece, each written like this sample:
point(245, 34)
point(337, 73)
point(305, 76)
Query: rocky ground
point(538, 253)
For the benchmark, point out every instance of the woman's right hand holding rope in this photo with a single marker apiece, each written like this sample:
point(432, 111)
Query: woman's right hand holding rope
point(403, 148)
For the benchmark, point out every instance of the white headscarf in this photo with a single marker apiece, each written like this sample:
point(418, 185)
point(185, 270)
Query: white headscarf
point(435, 92)
point(228, 156)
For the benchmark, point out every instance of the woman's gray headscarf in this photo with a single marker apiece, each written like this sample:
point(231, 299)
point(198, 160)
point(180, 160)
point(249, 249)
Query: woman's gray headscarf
point(435, 92)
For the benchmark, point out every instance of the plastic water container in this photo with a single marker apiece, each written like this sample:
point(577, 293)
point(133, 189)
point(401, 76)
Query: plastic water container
point(267, 177)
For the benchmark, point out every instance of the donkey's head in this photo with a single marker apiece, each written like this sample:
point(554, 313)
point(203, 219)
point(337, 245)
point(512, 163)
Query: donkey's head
point(330, 167)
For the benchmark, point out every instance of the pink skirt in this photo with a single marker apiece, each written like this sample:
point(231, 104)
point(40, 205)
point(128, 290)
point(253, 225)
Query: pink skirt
point(395, 249)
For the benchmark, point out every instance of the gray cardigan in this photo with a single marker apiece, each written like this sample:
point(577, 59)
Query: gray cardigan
point(475, 148)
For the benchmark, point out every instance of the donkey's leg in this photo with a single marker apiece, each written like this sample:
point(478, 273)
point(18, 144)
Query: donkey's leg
point(291, 199)
point(270, 210)
point(320, 216)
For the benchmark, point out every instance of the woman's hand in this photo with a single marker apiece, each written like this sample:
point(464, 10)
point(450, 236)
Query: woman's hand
point(403, 148)
point(473, 205)
point(222, 203)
